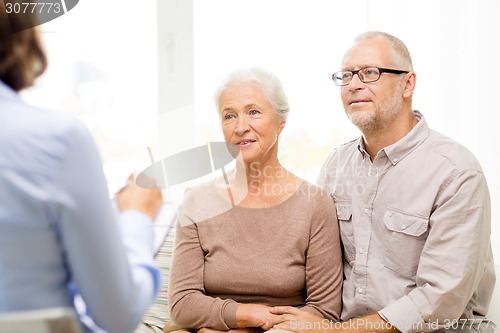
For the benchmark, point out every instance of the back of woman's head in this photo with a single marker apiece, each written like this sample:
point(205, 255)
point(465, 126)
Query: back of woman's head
point(22, 58)
point(267, 81)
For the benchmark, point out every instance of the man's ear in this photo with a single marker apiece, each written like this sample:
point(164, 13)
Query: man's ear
point(411, 81)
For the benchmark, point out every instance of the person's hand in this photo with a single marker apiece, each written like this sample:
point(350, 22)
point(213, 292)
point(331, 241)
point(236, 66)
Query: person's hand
point(134, 197)
point(252, 315)
point(293, 319)
point(237, 330)
point(209, 330)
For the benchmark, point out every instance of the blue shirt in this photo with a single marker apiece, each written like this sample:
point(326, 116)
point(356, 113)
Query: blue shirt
point(57, 225)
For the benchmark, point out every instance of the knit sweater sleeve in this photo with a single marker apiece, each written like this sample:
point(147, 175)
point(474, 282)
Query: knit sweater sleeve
point(324, 262)
point(189, 306)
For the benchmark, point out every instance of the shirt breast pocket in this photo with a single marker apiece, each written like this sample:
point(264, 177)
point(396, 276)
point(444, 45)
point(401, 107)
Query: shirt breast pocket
point(344, 215)
point(404, 243)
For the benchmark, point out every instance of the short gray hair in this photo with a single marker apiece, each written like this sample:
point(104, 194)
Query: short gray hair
point(265, 80)
point(400, 54)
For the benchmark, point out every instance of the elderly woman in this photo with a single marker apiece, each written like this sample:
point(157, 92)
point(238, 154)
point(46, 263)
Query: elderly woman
point(260, 236)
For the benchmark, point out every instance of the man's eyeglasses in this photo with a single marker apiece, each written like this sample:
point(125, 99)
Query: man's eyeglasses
point(369, 74)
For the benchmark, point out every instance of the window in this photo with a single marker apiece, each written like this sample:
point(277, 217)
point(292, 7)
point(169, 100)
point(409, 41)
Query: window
point(106, 61)
point(102, 68)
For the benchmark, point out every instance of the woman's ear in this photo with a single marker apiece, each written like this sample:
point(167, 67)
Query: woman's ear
point(281, 126)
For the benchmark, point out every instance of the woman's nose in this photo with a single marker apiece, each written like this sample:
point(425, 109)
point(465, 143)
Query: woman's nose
point(242, 125)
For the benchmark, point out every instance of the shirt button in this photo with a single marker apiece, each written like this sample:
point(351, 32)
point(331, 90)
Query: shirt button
point(395, 160)
point(366, 210)
point(361, 251)
point(360, 290)
point(403, 227)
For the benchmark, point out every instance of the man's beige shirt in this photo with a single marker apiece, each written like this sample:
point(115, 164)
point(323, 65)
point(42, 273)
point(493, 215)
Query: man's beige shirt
point(415, 226)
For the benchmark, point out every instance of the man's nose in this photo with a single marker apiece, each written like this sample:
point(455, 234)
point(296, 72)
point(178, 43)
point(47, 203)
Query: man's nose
point(355, 83)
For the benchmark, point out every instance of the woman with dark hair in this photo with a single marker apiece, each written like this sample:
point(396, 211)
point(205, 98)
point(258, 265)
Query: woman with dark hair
point(58, 233)
point(22, 58)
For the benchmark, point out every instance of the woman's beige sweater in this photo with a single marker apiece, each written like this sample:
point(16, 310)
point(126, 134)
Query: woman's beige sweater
point(288, 254)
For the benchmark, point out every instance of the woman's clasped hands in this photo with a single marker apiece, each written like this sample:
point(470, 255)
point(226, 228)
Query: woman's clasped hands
point(256, 317)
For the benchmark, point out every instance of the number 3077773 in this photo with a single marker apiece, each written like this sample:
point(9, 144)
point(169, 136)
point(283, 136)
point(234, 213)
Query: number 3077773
point(33, 7)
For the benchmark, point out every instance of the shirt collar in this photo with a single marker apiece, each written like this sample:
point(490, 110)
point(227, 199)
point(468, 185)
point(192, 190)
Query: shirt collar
point(6, 91)
point(361, 147)
point(399, 150)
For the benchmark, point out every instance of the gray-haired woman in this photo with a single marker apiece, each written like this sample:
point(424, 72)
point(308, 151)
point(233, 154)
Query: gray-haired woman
point(259, 236)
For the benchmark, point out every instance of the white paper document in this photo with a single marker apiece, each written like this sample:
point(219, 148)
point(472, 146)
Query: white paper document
point(163, 222)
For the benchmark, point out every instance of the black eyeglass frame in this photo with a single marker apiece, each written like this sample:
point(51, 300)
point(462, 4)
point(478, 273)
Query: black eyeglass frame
point(380, 69)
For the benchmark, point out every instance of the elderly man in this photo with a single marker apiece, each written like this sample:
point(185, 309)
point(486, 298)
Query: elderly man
point(413, 207)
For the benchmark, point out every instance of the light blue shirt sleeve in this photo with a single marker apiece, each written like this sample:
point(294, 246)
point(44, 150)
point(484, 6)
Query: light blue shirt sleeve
point(58, 227)
point(116, 288)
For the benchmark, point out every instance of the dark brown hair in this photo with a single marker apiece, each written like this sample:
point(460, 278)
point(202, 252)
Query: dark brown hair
point(22, 58)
